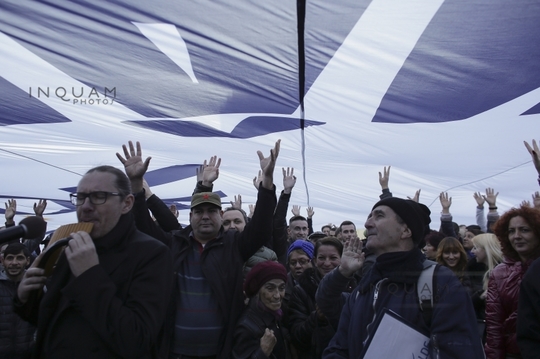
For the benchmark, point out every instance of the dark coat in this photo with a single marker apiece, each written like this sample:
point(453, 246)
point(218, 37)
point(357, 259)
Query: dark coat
point(394, 276)
point(16, 335)
point(222, 260)
point(310, 332)
point(251, 328)
point(528, 322)
point(501, 308)
point(113, 310)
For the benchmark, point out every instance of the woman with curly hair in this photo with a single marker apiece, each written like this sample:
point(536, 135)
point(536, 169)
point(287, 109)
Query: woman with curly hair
point(451, 254)
point(518, 231)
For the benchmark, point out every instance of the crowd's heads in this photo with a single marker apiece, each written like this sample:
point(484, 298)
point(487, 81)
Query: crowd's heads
point(347, 230)
point(527, 222)
point(329, 230)
point(470, 232)
point(451, 254)
point(234, 219)
point(432, 240)
point(328, 252)
point(315, 236)
point(262, 273)
point(15, 260)
point(206, 216)
point(415, 215)
point(487, 249)
point(298, 228)
point(299, 257)
point(103, 196)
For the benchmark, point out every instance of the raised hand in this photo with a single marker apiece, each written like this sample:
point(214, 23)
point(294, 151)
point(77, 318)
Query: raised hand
point(251, 210)
point(479, 198)
point(210, 171)
point(310, 212)
point(295, 210)
point(289, 180)
point(257, 180)
point(11, 209)
point(535, 154)
point(174, 210)
point(416, 197)
point(134, 166)
point(491, 197)
point(525, 203)
point(446, 202)
point(237, 203)
point(384, 177)
point(39, 207)
point(352, 258)
point(268, 164)
point(536, 200)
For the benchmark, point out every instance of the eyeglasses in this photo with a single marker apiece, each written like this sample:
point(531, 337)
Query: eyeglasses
point(98, 197)
point(302, 262)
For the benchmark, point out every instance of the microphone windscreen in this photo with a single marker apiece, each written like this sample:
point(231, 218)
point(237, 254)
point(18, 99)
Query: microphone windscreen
point(35, 227)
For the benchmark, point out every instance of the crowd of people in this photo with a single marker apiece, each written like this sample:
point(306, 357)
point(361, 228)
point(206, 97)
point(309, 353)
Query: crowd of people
point(132, 282)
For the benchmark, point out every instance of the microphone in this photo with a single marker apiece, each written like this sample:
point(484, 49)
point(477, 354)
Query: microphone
point(30, 227)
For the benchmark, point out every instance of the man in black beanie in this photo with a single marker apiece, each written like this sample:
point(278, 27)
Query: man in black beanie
point(395, 227)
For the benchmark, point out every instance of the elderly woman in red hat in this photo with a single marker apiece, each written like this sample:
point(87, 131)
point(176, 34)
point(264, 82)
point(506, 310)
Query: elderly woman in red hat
point(259, 333)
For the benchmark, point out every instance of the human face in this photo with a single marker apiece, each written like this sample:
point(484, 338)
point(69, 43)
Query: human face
point(298, 229)
point(451, 259)
point(104, 216)
point(234, 220)
point(328, 258)
point(384, 233)
point(326, 231)
point(298, 263)
point(348, 232)
point(467, 240)
point(271, 293)
point(430, 251)
point(14, 265)
point(480, 254)
point(522, 238)
point(205, 220)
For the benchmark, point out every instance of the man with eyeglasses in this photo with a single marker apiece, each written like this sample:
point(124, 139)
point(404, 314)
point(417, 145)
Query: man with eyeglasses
point(208, 299)
point(109, 293)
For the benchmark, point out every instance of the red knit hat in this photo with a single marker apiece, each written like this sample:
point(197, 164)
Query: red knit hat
point(262, 273)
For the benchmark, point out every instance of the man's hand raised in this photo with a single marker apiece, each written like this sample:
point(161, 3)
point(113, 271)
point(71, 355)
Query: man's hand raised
point(134, 166)
point(268, 164)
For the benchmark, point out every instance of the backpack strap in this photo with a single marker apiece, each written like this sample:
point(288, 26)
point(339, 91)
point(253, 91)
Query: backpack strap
point(425, 290)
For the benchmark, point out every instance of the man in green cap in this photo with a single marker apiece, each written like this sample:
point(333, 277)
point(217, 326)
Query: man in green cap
point(208, 260)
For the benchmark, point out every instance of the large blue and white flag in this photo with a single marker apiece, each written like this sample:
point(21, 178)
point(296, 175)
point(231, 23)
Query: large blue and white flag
point(443, 91)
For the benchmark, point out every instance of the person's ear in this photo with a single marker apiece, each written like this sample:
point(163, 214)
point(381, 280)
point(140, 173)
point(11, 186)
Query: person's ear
point(407, 233)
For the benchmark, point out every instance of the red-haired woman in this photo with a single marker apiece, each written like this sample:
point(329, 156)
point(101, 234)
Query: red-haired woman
point(518, 230)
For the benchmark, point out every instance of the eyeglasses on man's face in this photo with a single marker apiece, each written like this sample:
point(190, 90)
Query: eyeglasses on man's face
point(98, 197)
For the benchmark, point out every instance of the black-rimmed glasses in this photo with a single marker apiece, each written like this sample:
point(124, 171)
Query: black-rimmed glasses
point(98, 197)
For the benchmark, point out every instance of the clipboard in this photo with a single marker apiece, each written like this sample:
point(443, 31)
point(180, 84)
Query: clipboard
point(396, 338)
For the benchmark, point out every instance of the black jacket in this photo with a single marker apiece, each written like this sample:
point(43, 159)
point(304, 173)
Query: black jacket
point(223, 259)
point(16, 335)
point(310, 332)
point(113, 310)
point(251, 328)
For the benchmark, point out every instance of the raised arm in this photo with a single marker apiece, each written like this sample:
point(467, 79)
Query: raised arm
point(534, 151)
point(11, 209)
point(384, 178)
point(493, 215)
point(446, 218)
